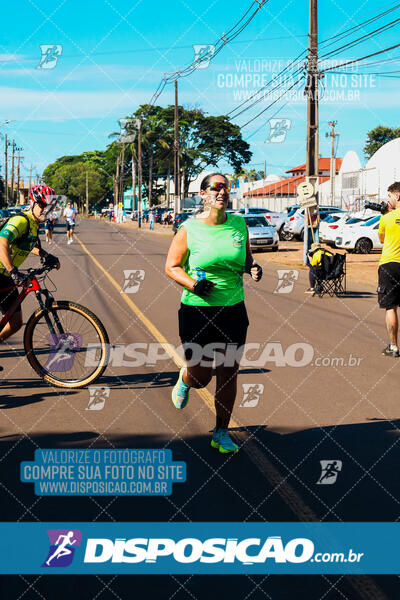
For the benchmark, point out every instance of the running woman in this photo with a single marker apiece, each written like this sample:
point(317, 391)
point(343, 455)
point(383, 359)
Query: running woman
point(70, 214)
point(48, 228)
point(208, 257)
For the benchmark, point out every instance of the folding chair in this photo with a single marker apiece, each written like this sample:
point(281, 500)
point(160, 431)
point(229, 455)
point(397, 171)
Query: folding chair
point(331, 276)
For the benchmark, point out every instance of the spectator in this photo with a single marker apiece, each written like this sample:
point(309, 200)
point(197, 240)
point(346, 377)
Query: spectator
point(315, 257)
point(389, 268)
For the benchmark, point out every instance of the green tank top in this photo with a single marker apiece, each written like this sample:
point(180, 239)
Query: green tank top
point(217, 253)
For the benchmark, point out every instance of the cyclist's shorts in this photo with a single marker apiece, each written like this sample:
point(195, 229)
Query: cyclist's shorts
point(389, 285)
point(70, 225)
point(204, 325)
point(7, 297)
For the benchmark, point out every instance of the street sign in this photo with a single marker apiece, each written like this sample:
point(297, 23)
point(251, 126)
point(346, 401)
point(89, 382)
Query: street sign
point(308, 202)
point(305, 190)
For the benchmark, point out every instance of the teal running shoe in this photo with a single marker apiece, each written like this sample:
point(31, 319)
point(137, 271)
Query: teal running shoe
point(222, 441)
point(180, 393)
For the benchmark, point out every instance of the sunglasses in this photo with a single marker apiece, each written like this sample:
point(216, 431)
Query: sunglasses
point(218, 186)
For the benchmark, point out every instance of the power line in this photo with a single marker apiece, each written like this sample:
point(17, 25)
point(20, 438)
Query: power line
point(350, 62)
point(213, 49)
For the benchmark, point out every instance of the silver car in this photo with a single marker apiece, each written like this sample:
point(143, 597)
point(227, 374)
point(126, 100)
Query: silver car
point(261, 234)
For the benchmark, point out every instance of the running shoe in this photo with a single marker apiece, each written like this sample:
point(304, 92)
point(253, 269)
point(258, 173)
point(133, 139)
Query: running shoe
point(309, 291)
point(389, 352)
point(222, 441)
point(180, 393)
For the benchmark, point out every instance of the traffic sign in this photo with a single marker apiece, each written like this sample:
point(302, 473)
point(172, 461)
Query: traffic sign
point(305, 190)
point(308, 202)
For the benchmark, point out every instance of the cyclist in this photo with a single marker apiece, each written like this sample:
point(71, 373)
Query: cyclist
point(208, 257)
point(19, 238)
point(70, 214)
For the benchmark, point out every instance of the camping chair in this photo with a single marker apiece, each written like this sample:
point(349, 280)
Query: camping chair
point(331, 276)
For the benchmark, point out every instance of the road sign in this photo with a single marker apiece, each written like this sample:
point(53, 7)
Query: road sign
point(308, 202)
point(305, 190)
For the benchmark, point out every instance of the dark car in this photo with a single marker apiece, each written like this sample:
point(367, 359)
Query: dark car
point(178, 220)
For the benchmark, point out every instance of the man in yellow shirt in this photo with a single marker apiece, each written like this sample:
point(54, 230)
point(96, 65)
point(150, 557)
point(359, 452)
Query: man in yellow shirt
point(389, 267)
point(315, 256)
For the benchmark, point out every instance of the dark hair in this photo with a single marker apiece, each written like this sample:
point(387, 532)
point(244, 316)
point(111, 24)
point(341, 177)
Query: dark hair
point(206, 181)
point(395, 187)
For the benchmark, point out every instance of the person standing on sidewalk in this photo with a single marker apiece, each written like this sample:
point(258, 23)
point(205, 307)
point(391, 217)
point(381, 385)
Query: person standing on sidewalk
point(151, 220)
point(208, 257)
point(389, 268)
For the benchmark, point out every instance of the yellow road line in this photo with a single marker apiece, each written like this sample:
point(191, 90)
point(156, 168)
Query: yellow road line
point(365, 586)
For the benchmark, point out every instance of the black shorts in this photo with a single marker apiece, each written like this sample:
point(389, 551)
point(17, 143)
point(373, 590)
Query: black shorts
point(70, 226)
point(389, 285)
point(204, 325)
point(7, 297)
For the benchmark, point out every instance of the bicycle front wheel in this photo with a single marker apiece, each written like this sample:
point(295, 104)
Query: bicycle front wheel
point(67, 345)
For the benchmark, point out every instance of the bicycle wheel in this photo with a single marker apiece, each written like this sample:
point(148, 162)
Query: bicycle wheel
point(67, 345)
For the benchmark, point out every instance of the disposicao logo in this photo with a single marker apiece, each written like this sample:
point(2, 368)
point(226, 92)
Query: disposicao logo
point(62, 547)
point(190, 550)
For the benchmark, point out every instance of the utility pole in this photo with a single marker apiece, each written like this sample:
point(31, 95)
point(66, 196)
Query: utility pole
point(121, 180)
point(332, 134)
point(87, 194)
point(12, 171)
point(6, 167)
point(133, 182)
point(116, 187)
point(139, 128)
point(177, 182)
point(312, 157)
point(18, 171)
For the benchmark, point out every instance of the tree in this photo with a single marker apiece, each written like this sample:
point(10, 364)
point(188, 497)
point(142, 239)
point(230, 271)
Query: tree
point(378, 137)
point(70, 180)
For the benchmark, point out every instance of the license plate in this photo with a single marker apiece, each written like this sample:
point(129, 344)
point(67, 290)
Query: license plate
point(262, 241)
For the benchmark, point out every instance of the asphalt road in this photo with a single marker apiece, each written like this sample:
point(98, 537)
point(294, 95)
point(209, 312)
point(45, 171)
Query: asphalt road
point(341, 405)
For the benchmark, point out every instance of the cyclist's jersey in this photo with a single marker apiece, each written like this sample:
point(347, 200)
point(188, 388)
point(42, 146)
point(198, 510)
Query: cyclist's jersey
point(20, 244)
point(217, 253)
point(389, 225)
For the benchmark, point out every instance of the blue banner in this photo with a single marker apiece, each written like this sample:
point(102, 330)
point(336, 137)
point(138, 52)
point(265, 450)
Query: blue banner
point(199, 548)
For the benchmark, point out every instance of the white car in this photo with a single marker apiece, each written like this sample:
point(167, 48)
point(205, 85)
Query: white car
point(276, 219)
point(261, 234)
point(294, 226)
point(360, 237)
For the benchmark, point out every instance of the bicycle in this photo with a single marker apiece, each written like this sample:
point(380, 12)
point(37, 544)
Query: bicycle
point(57, 336)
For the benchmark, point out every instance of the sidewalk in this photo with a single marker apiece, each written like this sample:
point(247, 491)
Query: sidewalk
point(361, 268)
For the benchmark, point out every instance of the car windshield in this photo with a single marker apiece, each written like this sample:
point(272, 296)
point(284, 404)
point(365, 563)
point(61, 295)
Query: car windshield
point(256, 222)
point(371, 221)
point(292, 211)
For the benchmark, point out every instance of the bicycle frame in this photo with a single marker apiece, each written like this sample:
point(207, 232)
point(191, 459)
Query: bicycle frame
point(33, 286)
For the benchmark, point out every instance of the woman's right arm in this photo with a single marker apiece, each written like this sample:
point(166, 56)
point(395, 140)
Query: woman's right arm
point(177, 256)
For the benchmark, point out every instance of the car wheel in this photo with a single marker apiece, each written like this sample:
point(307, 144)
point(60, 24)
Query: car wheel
point(363, 246)
point(302, 236)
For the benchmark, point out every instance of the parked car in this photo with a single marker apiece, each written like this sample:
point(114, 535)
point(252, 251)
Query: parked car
point(178, 220)
point(276, 219)
point(329, 225)
point(361, 237)
point(262, 235)
point(4, 213)
point(294, 226)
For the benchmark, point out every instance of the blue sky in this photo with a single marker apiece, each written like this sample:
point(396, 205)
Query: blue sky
point(114, 54)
